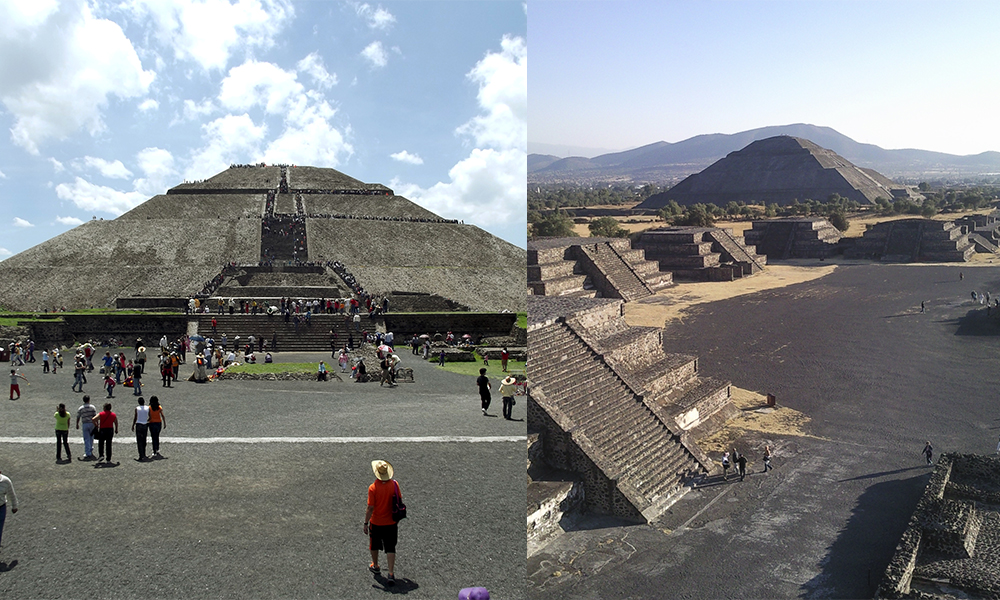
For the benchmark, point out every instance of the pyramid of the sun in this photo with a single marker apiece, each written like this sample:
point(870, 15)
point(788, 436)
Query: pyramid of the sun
point(173, 244)
point(778, 170)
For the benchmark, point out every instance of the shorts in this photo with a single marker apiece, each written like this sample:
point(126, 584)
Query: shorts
point(383, 537)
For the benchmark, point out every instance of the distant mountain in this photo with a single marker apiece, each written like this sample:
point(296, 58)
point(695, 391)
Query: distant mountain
point(663, 161)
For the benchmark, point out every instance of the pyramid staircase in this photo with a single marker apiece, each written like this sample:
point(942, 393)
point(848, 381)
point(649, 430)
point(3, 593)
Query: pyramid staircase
point(630, 408)
point(311, 337)
point(793, 238)
point(912, 240)
point(701, 253)
point(589, 268)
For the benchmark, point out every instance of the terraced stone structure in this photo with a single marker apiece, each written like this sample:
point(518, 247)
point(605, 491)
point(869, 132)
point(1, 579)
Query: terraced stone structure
point(174, 244)
point(610, 404)
point(951, 547)
point(779, 170)
point(592, 267)
point(781, 239)
point(914, 240)
point(701, 253)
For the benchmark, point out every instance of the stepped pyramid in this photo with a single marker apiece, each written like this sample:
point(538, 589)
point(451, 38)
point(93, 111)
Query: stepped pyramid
point(914, 240)
point(778, 170)
point(807, 237)
point(701, 253)
point(607, 402)
point(175, 245)
point(588, 267)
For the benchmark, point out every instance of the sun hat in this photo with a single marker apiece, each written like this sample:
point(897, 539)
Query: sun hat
point(382, 470)
point(508, 380)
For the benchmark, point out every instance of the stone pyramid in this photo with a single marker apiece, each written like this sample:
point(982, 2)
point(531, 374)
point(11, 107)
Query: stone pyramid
point(174, 244)
point(778, 170)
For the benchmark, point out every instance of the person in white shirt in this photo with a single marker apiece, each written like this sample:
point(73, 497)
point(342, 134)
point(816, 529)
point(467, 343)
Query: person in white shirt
point(9, 497)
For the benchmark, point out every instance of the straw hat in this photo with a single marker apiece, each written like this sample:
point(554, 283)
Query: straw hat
point(382, 470)
point(509, 380)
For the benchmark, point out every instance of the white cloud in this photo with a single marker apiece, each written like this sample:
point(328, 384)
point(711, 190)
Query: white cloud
point(114, 170)
point(210, 31)
point(69, 221)
point(377, 18)
point(259, 83)
point(60, 66)
point(157, 165)
point(98, 198)
point(406, 157)
point(312, 65)
point(2, 175)
point(487, 188)
point(19, 222)
point(309, 137)
point(4, 253)
point(503, 95)
point(375, 54)
point(194, 111)
point(228, 139)
point(148, 104)
point(58, 166)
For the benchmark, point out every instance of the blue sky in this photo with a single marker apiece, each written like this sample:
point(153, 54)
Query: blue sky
point(898, 74)
point(107, 103)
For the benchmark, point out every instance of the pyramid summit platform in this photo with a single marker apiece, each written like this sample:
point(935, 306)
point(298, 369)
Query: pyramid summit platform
point(265, 227)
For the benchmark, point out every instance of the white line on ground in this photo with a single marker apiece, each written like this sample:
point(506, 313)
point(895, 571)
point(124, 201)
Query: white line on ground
point(126, 438)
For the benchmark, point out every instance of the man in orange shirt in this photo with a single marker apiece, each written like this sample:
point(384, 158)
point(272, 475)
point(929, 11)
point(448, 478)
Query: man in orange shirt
point(379, 526)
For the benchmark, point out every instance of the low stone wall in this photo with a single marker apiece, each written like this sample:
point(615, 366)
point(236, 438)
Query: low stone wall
point(146, 303)
point(79, 328)
point(404, 325)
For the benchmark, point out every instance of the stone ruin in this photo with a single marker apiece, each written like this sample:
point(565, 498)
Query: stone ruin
point(781, 239)
point(592, 267)
point(983, 230)
point(610, 405)
point(913, 240)
point(180, 244)
point(951, 547)
point(701, 253)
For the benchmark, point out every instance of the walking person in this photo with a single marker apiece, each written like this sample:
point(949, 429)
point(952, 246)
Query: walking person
point(14, 388)
point(928, 452)
point(379, 526)
point(140, 425)
point(107, 425)
point(62, 432)
point(86, 414)
point(767, 458)
point(9, 497)
point(45, 361)
point(507, 389)
point(157, 421)
point(78, 368)
point(725, 466)
point(137, 379)
point(741, 462)
point(504, 356)
point(484, 390)
point(109, 384)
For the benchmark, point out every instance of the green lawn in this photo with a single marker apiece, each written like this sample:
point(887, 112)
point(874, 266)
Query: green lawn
point(472, 368)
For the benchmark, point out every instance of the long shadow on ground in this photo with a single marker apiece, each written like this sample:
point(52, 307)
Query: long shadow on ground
point(858, 557)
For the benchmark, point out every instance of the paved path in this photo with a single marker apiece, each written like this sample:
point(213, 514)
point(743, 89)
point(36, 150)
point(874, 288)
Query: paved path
point(878, 378)
point(262, 490)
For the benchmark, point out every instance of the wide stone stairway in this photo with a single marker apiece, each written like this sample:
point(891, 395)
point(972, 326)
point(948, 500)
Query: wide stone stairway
point(312, 336)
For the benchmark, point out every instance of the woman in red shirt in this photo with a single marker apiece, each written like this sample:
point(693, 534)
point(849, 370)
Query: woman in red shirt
point(107, 423)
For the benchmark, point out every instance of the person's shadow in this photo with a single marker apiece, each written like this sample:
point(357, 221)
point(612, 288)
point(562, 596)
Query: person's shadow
point(7, 566)
point(402, 585)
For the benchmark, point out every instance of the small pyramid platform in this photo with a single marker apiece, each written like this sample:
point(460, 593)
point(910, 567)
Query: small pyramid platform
point(701, 253)
point(778, 170)
point(609, 403)
point(914, 240)
point(779, 239)
point(266, 230)
point(592, 267)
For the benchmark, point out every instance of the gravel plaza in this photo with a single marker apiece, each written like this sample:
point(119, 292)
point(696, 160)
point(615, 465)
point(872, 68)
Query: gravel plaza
point(261, 491)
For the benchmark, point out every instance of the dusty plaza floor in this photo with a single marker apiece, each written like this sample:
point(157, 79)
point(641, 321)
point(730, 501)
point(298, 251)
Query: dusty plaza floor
point(876, 378)
point(245, 505)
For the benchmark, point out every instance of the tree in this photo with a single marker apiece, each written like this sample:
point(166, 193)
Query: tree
point(697, 215)
point(606, 227)
point(554, 224)
point(839, 220)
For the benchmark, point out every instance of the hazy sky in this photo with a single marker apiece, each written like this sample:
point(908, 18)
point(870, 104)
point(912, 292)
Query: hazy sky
point(900, 74)
point(106, 103)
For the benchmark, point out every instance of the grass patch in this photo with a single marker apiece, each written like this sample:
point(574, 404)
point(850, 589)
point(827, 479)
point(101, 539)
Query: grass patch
point(522, 320)
point(310, 367)
point(493, 370)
